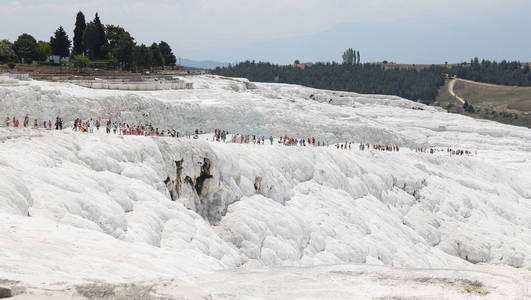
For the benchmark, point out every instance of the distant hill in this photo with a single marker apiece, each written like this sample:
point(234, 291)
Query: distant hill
point(501, 103)
point(475, 93)
point(205, 64)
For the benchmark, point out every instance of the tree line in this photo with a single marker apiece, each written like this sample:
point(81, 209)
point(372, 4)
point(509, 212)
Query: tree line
point(91, 41)
point(504, 72)
point(373, 78)
point(364, 78)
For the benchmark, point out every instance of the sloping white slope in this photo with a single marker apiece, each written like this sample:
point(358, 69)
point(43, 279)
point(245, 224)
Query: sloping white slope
point(264, 109)
point(109, 196)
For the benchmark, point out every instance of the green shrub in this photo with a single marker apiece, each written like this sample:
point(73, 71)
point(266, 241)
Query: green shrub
point(80, 61)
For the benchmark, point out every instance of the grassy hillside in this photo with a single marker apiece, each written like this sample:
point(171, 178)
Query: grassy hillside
point(506, 104)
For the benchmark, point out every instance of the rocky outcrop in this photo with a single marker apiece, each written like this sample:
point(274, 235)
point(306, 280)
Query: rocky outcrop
point(5, 292)
point(194, 180)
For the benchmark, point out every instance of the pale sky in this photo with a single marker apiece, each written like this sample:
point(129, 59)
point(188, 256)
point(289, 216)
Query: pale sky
point(216, 29)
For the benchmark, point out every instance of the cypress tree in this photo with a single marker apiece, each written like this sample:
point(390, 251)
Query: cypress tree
point(90, 40)
point(101, 50)
point(349, 57)
point(95, 39)
point(79, 47)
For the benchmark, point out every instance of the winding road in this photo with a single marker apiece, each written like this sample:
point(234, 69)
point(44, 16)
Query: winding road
point(451, 90)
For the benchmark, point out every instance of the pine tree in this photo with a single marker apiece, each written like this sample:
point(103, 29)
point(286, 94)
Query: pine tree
point(142, 57)
point(25, 48)
point(79, 46)
point(120, 44)
point(90, 40)
point(60, 43)
point(158, 59)
point(113, 32)
point(95, 39)
point(167, 54)
point(102, 38)
point(6, 52)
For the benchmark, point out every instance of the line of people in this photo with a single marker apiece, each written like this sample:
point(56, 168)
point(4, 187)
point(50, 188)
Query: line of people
point(58, 123)
point(379, 147)
point(345, 146)
point(220, 135)
point(122, 128)
point(363, 146)
point(450, 151)
point(303, 142)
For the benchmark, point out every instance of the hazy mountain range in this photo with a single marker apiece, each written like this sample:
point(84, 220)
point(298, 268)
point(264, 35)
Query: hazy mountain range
point(397, 41)
point(204, 64)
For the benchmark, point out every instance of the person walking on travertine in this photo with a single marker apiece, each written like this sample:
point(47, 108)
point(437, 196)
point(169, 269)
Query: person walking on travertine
point(26, 121)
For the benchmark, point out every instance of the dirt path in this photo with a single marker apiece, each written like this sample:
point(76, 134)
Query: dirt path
point(483, 84)
point(451, 91)
point(451, 86)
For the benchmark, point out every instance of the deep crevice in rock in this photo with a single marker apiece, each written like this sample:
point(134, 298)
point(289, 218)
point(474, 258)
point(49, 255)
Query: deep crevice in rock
point(179, 170)
point(257, 183)
point(204, 175)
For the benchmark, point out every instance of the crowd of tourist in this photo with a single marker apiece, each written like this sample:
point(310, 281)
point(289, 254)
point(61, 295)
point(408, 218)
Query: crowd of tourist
point(123, 128)
point(447, 150)
point(290, 141)
point(58, 123)
point(378, 147)
point(220, 135)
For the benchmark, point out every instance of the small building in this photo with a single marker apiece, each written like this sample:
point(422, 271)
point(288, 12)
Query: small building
point(55, 59)
point(303, 65)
